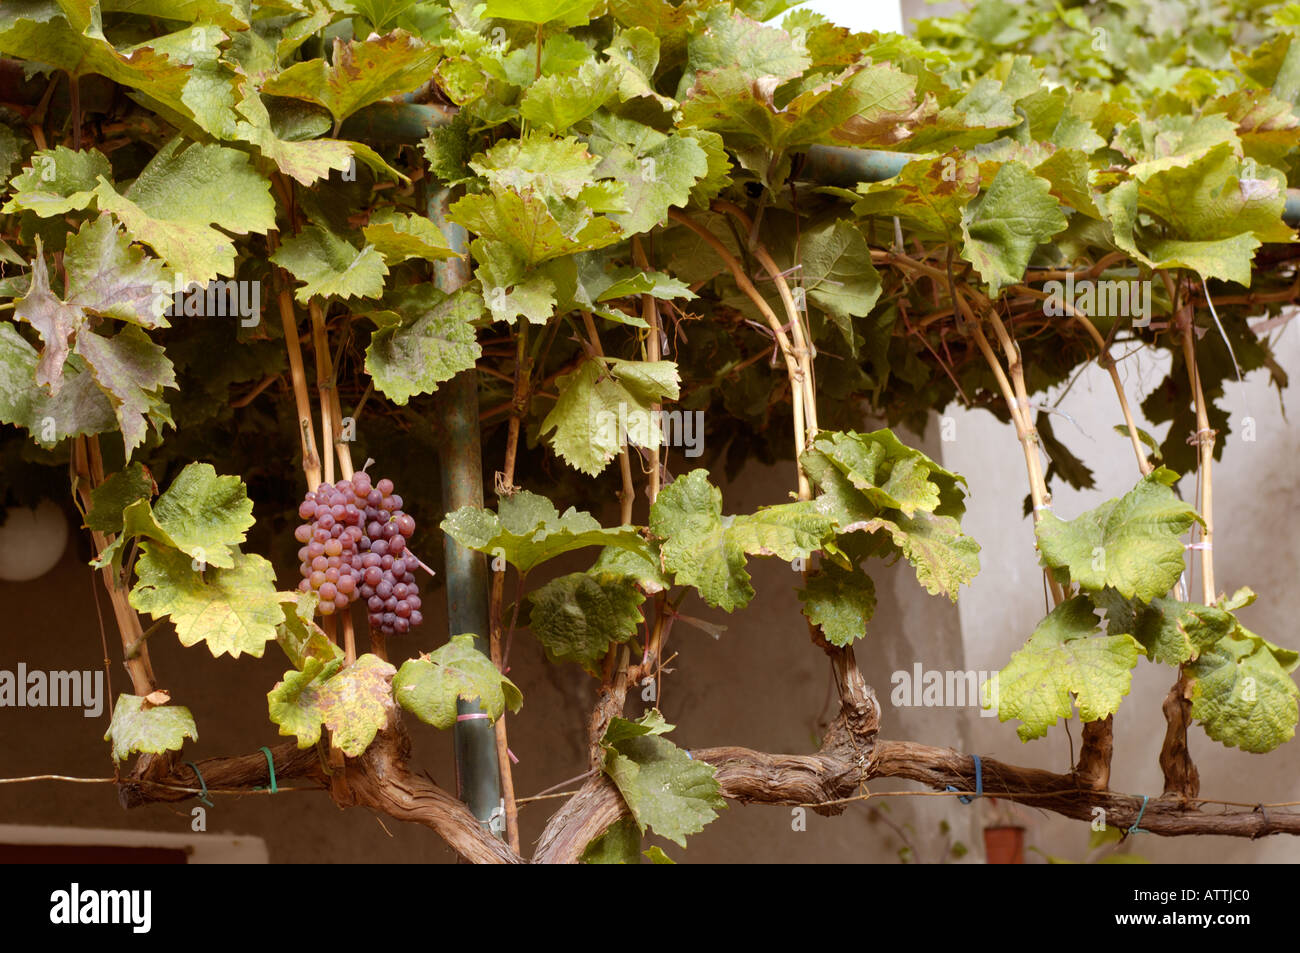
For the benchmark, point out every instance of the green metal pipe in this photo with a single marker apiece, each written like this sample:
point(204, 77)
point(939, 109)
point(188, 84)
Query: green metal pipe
point(461, 465)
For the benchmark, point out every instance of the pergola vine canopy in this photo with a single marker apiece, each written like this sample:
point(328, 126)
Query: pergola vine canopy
point(537, 238)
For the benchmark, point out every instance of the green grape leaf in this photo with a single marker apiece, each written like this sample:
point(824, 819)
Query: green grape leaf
point(429, 686)
point(657, 171)
point(943, 556)
point(36, 30)
point(423, 342)
point(1132, 544)
point(664, 787)
point(359, 73)
point(79, 407)
point(604, 403)
point(704, 549)
point(306, 161)
point(841, 602)
point(531, 228)
point(233, 610)
point(577, 617)
point(353, 702)
point(399, 236)
point(697, 549)
point(639, 566)
point(837, 274)
point(1215, 214)
point(1170, 631)
point(1241, 695)
point(528, 530)
point(57, 181)
point(183, 196)
point(560, 101)
point(619, 844)
point(563, 12)
point(1064, 658)
point(299, 635)
point(110, 498)
point(1001, 229)
point(328, 265)
point(154, 730)
point(204, 515)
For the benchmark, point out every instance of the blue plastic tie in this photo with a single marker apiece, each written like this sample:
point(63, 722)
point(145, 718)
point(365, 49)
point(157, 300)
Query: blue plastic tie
point(979, 782)
point(203, 785)
point(1135, 829)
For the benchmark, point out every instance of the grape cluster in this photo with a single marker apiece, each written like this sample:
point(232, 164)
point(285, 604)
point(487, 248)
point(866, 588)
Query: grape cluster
point(354, 547)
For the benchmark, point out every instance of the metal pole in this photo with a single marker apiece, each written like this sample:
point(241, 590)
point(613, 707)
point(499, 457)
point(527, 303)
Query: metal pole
point(461, 464)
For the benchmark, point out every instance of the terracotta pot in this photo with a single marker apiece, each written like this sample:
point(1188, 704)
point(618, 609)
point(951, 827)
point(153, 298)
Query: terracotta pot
point(1004, 845)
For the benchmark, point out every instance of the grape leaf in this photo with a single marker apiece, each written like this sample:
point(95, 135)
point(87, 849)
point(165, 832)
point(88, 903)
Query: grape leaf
point(132, 371)
point(106, 275)
point(577, 617)
point(665, 788)
point(328, 265)
point(704, 549)
point(1131, 544)
point(657, 171)
point(618, 845)
point(563, 12)
point(840, 602)
point(359, 73)
point(605, 402)
point(399, 236)
point(110, 498)
point(354, 702)
point(79, 407)
point(527, 530)
point(299, 635)
point(560, 101)
point(57, 181)
point(185, 190)
point(837, 274)
point(943, 556)
point(1242, 696)
point(204, 515)
point(1064, 657)
point(233, 610)
point(154, 730)
point(1170, 631)
point(422, 342)
point(429, 686)
point(928, 195)
point(1002, 228)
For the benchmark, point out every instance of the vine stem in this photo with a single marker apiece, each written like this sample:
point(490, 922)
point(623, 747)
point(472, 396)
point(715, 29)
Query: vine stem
point(311, 466)
point(327, 387)
point(793, 370)
point(88, 466)
point(1027, 436)
point(505, 486)
point(1105, 359)
point(802, 349)
point(658, 630)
